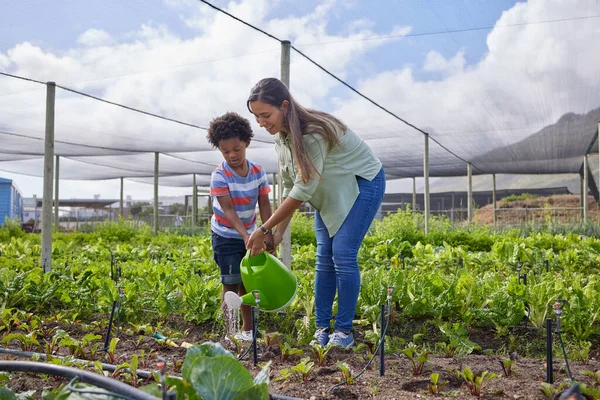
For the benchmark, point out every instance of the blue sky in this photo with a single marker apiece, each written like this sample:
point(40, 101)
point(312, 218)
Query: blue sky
point(56, 26)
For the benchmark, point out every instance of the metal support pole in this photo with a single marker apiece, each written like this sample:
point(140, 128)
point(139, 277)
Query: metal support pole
point(46, 253)
point(275, 192)
point(494, 197)
point(581, 197)
point(414, 199)
point(585, 188)
point(121, 200)
point(469, 193)
point(155, 227)
point(254, 310)
point(56, 177)
point(286, 244)
point(426, 183)
point(194, 202)
point(382, 347)
point(549, 375)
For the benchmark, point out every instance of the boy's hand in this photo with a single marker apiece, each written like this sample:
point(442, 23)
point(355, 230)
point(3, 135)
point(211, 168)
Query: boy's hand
point(256, 243)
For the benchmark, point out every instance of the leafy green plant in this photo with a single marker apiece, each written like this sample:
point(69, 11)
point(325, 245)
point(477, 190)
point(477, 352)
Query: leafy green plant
point(285, 375)
point(26, 342)
point(288, 351)
point(436, 386)
point(304, 368)
point(458, 339)
point(594, 375)
point(507, 365)
point(417, 357)
point(347, 373)
point(112, 348)
point(476, 384)
point(320, 353)
point(211, 372)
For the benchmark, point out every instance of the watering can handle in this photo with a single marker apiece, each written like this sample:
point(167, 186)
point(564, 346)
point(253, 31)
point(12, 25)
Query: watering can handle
point(246, 260)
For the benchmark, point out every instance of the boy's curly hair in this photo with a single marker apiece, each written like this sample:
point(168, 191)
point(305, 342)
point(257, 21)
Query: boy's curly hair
point(227, 126)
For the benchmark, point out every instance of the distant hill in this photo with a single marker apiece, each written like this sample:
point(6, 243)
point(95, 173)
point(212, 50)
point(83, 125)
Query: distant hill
point(545, 152)
point(554, 149)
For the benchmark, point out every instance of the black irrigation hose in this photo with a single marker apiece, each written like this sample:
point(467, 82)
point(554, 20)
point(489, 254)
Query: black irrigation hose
point(84, 376)
point(562, 345)
point(105, 367)
point(71, 388)
point(383, 332)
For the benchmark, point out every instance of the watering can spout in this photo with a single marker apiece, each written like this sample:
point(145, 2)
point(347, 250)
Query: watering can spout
point(232, 300)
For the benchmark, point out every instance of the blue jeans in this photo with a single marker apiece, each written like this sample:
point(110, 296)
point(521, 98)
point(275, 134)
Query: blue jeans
point(228, 254)
point(337, 257)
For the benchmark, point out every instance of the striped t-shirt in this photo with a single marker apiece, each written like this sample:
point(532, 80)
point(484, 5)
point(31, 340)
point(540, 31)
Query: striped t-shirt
point(244, 192)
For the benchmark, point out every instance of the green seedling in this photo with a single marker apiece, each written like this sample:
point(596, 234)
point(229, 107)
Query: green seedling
point(507, 365)
point(347, 373)
point(304, 368)
point(476, 384)
point(594, 375)
point(435, 386)
point(320, 353)
point(112, 348)
point(26, 342)
point(284, 375)
point(447, 349)
point(288, 351)
point(417, 357)
point(272, 339)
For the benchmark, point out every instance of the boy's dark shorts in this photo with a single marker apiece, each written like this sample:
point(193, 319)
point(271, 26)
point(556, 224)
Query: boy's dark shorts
point(228, 254)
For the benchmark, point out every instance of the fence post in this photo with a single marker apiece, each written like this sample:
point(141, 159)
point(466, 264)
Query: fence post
point(469, 193)
point(426, 183)
point(286, 243)
point(46, 253)
point(494, 196)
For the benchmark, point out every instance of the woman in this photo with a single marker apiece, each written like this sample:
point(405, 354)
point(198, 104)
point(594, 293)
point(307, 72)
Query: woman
point(325, 163)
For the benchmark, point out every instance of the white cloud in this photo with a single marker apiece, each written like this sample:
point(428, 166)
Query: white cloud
point(435, 62)
point(94, 37)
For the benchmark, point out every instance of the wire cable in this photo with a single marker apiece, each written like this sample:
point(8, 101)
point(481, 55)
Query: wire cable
point(108, 102)
point(130, 108)
point(448, 31)
point(22, 78)
point(339, 80)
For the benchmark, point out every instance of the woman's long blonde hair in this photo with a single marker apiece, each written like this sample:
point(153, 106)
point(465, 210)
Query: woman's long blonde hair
point(298, 121)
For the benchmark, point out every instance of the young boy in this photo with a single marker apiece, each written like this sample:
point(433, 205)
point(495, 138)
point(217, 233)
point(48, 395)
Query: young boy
point(236, 185)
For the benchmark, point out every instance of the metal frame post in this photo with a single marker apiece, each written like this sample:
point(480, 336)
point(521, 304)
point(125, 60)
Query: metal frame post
point(494, 197)
point(155, 216)
point(584, 192)
point(121, 199)
point(426, 183)
point(46, 253)
point(414, 198)
point(286, 243)
point(194, 202)
point(56, 201)
point(470, 193)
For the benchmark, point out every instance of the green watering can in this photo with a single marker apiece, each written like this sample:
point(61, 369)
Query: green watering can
point(266, 279)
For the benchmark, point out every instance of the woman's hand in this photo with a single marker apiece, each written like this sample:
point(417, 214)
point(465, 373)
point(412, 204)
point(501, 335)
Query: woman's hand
point(277, 237)
point(256, 243)
point(269, 244)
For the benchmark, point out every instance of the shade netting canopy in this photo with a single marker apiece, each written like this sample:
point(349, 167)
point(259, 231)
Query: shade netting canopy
point(526, 102)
